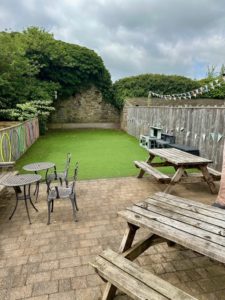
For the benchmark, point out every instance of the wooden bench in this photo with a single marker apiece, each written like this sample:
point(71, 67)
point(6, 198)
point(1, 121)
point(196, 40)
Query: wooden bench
point(133, 280)
point(6, 170)
point(152, 171)
point(215, 174)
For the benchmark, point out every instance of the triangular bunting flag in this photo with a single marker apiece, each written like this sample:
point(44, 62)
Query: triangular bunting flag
point(219, 137)
point(212, 134)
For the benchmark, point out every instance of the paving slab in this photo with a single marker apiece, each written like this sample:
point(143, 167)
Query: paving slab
point(40, 261)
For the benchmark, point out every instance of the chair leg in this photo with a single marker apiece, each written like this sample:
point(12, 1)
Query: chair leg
point(48, 183)
point(74, 210)
point(49, 211)
point(75, 201)
point(52, 205)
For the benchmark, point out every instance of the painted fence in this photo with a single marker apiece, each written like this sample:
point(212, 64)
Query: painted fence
point(200, 127)
point(15, 140)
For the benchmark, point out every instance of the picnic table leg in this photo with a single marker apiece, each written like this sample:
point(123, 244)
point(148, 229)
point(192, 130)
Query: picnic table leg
point(176, 177)
point(141, 173)
point(126, 243)
point(209, 179)
point(149, 160)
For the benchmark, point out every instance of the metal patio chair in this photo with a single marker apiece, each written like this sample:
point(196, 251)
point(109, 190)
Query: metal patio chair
point(61, 176)
point(60, 192)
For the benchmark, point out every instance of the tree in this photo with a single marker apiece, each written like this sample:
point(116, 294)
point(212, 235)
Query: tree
point(139, 86)
point(33, 66)
point(211, 71)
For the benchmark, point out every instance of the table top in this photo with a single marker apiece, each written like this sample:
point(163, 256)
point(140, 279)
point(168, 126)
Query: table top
point(178, 157)
point(38, 166)
point(19, 180)
point(194, 225)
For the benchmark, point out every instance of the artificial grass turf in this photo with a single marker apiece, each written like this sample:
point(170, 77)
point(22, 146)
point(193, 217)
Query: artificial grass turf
point(101, 153)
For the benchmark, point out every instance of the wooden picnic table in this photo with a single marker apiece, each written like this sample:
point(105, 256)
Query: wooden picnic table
point(181, 161)
point(194, 225)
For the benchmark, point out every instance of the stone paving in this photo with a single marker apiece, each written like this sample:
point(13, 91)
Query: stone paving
point(41, 262)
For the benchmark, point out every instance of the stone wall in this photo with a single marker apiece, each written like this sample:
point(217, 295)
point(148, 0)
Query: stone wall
point(85, 107)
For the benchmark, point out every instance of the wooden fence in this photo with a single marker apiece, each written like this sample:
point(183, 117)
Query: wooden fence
point(15, 140)
point(200, 127)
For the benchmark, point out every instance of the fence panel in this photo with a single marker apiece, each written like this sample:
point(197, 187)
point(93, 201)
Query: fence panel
point(200, 127)
point(15, 140)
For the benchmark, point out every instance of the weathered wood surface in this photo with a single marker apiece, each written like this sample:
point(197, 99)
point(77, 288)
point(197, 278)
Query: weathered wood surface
point(16, 139)
point(215, 174)
point(197, 127)
point(181, 161)
point(178, 157)
point(152, 171)
point(191, 224)
point(136, 282)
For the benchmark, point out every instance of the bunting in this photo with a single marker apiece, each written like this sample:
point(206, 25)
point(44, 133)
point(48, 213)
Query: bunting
point(191, 94)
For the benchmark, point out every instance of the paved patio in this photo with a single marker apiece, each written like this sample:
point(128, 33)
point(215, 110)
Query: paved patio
point(51, 262)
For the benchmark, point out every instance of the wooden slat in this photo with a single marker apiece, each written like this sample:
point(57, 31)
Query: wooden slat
point(152, 171)
point(140, 247)
point(191, 205)
point(178, 222)
point(186, 239)
point(215, 174)
point(134, 280)
point(178, 157)
point(6, 164)
point(124, 281)
point(190, 212)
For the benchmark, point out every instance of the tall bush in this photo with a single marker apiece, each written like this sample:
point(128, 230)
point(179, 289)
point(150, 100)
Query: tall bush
point(34, 66)
point(139, 86)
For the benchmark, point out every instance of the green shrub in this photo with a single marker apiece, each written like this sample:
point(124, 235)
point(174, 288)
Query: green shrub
point(216, 93)
point(139, 86)
point(29, 110)
point(33, 65)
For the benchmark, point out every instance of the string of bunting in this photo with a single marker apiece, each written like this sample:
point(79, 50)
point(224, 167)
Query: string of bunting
point(191, 94)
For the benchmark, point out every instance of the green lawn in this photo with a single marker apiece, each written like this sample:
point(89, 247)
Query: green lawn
point(100, 153)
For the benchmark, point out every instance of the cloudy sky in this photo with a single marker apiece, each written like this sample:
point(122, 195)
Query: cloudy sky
point(133, 37)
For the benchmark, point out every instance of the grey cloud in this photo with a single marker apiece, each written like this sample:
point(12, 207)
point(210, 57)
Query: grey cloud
point(132, 36)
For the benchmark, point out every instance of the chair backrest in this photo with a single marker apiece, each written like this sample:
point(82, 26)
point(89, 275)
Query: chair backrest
point(75, 174)
point(67, 166)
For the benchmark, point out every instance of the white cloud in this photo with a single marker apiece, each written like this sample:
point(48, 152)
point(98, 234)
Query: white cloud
point(132, 36)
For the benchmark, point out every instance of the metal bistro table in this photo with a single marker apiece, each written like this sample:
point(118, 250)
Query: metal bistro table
point(25, 181)
point(39, 166)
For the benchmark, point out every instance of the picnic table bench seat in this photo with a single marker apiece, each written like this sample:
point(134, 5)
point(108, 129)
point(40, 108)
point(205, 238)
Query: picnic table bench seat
point(166, 178)
point(152, 171)
point(215, 174)
point(133, 280)
point(6, 170)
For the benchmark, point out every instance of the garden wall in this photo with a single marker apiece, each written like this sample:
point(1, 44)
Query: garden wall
point(201, 127)
point(86, 107)
point(16, 139)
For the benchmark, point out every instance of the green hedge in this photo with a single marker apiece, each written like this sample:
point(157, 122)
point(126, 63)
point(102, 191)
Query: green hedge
point(139, 86)
point(33, 65)
point(216, 93)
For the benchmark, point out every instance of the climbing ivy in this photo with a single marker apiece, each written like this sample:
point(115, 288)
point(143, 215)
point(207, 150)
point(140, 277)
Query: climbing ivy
point(33, 66)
